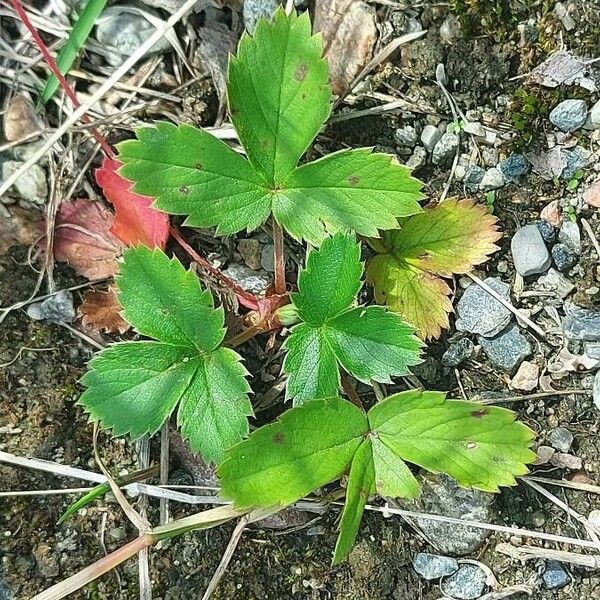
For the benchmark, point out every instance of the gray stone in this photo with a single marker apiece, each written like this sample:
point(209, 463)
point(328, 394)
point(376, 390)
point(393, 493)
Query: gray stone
point(529, 251)
point(475, 128)
point(458, 352)
point(564, 258)
point(492, 180)
point(430, 136)
point(489, 156)
point(556, 282)
point(445, 149)
point(514, 167)
point(406, 136)
point(55, 309)
point(479, 312)
point(554, 576)
point(596, 390)
point(468, 583)
point(417, 159)
point(473, 178)
point(592, 350)
point(442, 495)
point(434, 566)
point(575, 160)
point(267, 258)
point(570, 236)
point(547, 231)
point(508, 349)
point(122, 30)
point(561, 439)
point(31, 186)
point(594, 116)
point(255, 9)
point(544, 455)
point(569, 115)
point(251, 281)
point(582, 324)
point(562, 460)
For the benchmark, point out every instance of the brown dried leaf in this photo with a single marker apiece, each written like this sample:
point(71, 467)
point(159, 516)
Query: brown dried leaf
point(20, 227)
point(101, 311)
point(83, 239)
point(349, 34)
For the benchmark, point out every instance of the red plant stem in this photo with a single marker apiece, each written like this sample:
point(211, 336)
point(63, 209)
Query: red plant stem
point(22, 14)
point(85, 576)
point(246, 298)
point(279, 259)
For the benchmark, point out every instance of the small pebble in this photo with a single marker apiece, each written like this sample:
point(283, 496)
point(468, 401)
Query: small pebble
point(514, 167)
point(564, 258)
point(561, 439)
point(267, 258)
point(55, 309)
point(554, 576)
point(566, 461)
point(556, 282)
point(458, 352)
point(406, 136)
point(508, 349)
point(255, 9)
point(529, 251)
point(475, 128)
point(581, 324)
point(31, 186)
point(591, 196)
point(445, 149)
point(252, 281)
point(575, 159)
point(570, 236)
point(417, 159)
point(547, 231)
point(434, 566)
point(551, 213)
point(468, 583)
point(480, 313)
point(492, 180)
point(473, 177)
point(430, 136)
point(526, 377)
point(594, 116)
point(569, 115)
point(596, 390)
point(250, 250)
point(544, 455)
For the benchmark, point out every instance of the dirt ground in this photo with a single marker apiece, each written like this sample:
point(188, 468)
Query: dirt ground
point(42, 364)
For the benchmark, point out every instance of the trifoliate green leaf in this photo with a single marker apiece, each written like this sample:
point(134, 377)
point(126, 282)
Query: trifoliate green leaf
point(360, 485)
point(368, 342)
point(279, 99)
point(451, 238)
point(132, 388)
point(306, 448)
point(393, 477)
point(279, 95)
point(479, 446)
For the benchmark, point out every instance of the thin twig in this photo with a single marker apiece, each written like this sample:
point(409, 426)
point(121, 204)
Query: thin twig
point(164, 470)
point(279, 258)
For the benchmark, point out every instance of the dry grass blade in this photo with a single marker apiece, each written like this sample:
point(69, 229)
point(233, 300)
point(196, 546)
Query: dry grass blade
point(588, 561)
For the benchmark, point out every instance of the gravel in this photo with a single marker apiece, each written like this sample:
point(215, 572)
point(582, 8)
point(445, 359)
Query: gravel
point(581, 324)
point(547, 231)
point(267, 258)
point(492, 180)
point(514, 167)
point(561, 439)
point(554, 576)
point(31, 186)
point(473, 177)
point(569, 115)
point(445, 149)
point(430, 136)
point(526, 377)
point(458, 352)
point(468, 583)
point(480, 313)
point(252, 281)
point(596, 390)
point(417, 159)
point(556, 282)
point(564, 258)
point(508, 349)
point(529, 251)
point(434, 566)
point(594, 116)
point(570, 236)
point(255, 9)
point(563, 460)
point(55, 309)
point(406, 136)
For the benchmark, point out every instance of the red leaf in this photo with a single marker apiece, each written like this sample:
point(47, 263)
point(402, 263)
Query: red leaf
point(136, 222)
point(83, 238)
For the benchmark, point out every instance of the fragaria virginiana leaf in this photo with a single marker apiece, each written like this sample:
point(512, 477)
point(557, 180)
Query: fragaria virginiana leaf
point(370, 343)
point(135, 222)
point(449, 239)
point(482, 447)
point(279, 98)
point(133, 387)
point(83, 238)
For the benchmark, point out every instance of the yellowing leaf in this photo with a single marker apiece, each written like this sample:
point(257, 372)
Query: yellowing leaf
point(451, 238)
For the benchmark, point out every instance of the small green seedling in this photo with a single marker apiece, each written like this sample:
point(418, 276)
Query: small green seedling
point(279, 98)
point(574, 182)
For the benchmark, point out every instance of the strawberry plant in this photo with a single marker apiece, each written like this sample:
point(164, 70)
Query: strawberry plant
point(279, 99)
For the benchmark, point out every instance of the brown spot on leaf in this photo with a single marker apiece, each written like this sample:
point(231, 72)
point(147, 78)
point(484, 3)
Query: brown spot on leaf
point(300, 72)
point(279, 437)
point(199, 166)
point(481, 412)
point(471, 445)
point(354, 180)
point(184, 189)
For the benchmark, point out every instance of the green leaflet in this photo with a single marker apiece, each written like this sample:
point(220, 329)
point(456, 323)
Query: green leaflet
point(133, 387)
point(370, 343)
point(312, 444)
point(279, 98)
